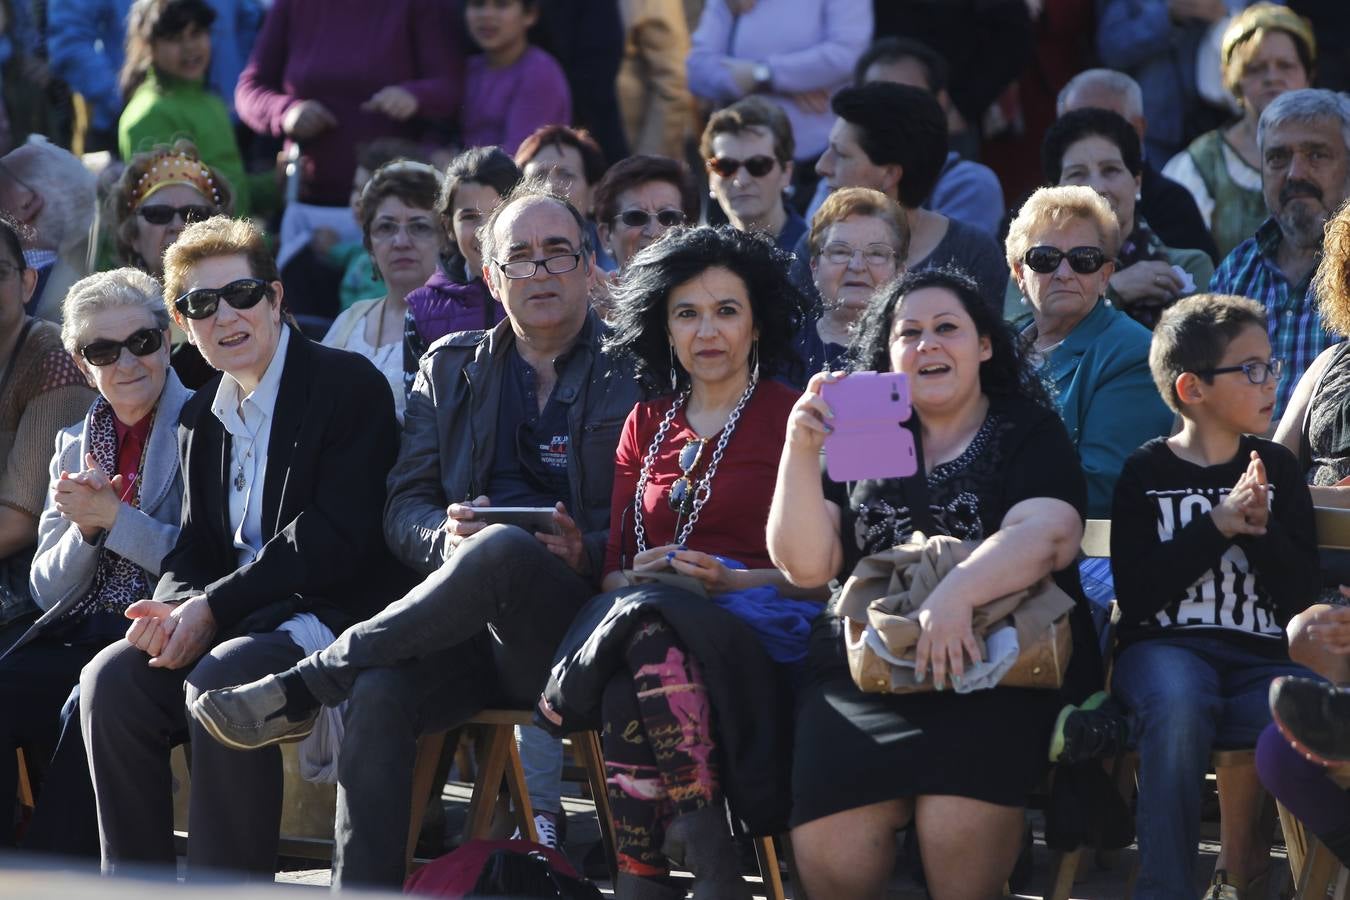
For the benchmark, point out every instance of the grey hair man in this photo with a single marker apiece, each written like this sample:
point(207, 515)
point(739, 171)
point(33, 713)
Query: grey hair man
point(1304, 140)
point(527, 414)
point(50, 192)
point(1166, 205)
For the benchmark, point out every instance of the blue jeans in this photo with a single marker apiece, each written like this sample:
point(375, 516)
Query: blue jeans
point(1187, 695)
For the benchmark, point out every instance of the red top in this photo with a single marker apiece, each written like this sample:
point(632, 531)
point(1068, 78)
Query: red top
point(130, 445)
point(732, 523)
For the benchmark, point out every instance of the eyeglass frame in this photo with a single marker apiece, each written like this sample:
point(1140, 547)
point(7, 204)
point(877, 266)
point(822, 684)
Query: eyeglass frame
point(433, 232)
point(715, 164)
point(182, 213)
point(680, 506)
point(1273, 367)
point(154, 345)
point(1063, 255)
point(855, 251)
point(534, 265)
point(649, 217)
point(180, 303)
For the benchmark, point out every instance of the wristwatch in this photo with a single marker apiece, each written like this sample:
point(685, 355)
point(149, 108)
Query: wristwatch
point(763, 76)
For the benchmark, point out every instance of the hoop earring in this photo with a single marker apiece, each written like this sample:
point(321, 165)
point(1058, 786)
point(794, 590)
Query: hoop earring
point(674, 378)
point(754, 362)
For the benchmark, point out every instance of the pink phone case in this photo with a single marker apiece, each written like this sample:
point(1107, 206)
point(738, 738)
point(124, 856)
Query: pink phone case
point(869, 439)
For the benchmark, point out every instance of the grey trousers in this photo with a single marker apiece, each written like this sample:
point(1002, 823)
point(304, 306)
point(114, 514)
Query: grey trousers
point(480, 631)
point(132, 715)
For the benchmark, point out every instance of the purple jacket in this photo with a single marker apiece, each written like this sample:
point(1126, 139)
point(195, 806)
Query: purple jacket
point(444, 306)
point(504, 106)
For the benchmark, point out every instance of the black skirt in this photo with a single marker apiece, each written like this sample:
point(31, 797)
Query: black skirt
point(853, 749)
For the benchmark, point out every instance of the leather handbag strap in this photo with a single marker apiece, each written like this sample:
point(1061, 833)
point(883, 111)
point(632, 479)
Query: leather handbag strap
point(914, 488)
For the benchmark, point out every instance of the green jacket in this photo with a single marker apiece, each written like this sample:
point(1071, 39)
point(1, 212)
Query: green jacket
point(164, 109)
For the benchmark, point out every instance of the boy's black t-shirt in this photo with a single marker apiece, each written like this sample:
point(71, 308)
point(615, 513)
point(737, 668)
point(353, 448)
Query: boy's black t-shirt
point(1175, 573)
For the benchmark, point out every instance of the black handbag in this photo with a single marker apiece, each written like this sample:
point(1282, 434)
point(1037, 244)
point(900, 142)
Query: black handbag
point(510, 874)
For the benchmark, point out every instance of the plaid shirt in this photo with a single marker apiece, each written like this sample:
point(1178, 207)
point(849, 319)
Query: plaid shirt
point(1296, 332)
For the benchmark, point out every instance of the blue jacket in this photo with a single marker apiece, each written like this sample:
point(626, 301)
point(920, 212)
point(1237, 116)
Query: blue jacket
point(1140, 38)
point(1105, 393)
point(86, 44)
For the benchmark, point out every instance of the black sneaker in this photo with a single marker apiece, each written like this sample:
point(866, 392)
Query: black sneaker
point(1095, 730)
point(1314, 716)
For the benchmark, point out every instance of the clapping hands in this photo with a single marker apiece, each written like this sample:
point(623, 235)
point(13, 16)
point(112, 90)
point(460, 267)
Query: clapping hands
point(89, 499)
point(1246, 509)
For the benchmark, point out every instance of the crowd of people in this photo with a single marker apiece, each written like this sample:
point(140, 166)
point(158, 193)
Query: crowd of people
point(296, 296)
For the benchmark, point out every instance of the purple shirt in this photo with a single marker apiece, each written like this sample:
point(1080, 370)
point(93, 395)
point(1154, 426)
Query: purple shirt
point(807, 44)
point(341, 52)
point(504, 106)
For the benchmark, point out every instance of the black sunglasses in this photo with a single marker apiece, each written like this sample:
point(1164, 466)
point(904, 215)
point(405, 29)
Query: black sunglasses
point(727, 166)
point(140, 343)
point(203, 302)
point(1083, 260)
point(162, 214)
point(638, 218)
point(681, 492)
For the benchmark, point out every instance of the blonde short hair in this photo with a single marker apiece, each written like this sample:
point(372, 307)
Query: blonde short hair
point(857, 201)
point(126, 287)
point(1331, 284)
point(1050, 208)
point(216, 236)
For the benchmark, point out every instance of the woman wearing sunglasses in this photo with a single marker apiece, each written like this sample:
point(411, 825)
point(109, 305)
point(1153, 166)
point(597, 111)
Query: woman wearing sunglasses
point(110, 516)
point(696, 615)
point(284, 458)
point(159, 194)
point(640, 199)
point(1060, 249)
point(1100, 149)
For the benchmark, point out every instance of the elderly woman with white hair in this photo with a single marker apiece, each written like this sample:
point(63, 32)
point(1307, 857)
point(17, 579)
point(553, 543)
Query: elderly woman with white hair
point(1061, 249)
point(112, 512)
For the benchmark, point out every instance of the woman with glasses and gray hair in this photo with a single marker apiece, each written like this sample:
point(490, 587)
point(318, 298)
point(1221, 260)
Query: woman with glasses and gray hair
point(110, 516)
point(695, 617)
point(1061, 248)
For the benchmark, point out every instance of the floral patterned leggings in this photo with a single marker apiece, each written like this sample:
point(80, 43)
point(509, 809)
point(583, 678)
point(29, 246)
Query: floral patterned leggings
point(658, 745)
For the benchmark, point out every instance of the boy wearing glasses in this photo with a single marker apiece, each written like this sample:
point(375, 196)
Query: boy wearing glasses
point(1213, 550)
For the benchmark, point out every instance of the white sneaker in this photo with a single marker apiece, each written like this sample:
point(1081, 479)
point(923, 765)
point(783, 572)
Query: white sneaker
point(545, 827)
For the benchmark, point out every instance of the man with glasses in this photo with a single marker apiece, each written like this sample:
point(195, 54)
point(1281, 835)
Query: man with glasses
point(637, 200)
point(1304, 140)
point(748, 149)
point(525, 415)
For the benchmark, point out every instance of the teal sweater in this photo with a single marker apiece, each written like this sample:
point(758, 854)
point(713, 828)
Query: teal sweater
point(164, 109)
point(1101, 383)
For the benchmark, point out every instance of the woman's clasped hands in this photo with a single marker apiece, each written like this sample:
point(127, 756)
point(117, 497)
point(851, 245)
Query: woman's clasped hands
point(89, 499)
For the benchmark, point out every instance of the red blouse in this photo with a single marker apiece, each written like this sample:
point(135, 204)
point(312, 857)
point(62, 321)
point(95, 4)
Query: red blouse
point(732, 523)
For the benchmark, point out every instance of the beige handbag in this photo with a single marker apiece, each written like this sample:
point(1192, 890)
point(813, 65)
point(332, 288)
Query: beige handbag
point(880, 603)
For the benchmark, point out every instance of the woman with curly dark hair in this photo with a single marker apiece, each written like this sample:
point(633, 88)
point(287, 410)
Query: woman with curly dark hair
point(682, 660)
point(997, 467)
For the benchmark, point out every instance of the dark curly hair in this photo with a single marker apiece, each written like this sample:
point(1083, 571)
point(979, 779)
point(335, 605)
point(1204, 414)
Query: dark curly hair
point(1006, 373)
point(638, 319)
point(1087, 122)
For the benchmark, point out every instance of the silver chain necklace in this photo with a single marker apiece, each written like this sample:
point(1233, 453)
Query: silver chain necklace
point(703, 491)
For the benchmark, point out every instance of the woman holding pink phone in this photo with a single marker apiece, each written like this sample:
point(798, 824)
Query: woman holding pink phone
point(684, 660)
point(997, 467)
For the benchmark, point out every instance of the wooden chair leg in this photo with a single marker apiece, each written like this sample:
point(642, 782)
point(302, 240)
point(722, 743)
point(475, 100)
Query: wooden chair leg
point(519, 791)
point(498, 757)
point(429, 749)
point(25, 787)
point(587, 744)
point(1065, 868)
point(768, 868)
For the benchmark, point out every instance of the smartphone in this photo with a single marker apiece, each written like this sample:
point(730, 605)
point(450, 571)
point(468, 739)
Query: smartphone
point(869, 439)
point(531, 518)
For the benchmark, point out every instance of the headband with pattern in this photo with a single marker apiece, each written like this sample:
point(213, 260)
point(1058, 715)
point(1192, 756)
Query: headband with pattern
point(175, 168)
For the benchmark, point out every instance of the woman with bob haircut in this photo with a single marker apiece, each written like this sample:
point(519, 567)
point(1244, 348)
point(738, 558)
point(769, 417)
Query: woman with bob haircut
point(998, 468)
point(684, 659)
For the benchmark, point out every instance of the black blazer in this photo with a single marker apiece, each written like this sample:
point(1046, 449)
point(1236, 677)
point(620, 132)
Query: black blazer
point(333, 439)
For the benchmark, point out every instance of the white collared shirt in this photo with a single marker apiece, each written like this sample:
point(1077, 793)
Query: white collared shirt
point(249, 423)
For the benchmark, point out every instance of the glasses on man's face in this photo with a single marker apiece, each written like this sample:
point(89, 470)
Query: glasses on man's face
point(163, 214)
point(388, 229)
point(640, 218)
point(1256, 372)
point(107, 352)
point(553, 265)
point(728, 166)
point(681, 496)
point(876, 256)
point(1083, 260)
point(203, 302)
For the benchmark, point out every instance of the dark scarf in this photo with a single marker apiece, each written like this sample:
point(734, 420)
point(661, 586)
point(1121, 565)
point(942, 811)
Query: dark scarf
point(1141, 245)
point(118, 582)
